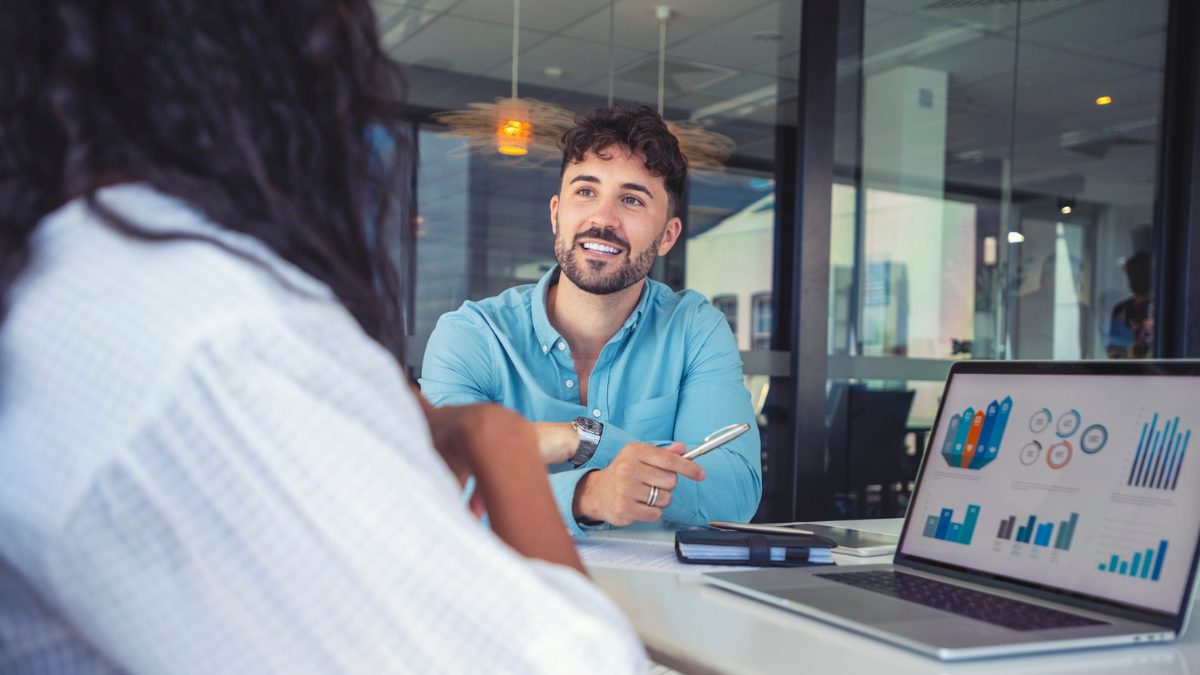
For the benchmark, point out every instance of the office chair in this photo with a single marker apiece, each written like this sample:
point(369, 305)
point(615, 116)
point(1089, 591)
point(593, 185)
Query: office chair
point(866, 449)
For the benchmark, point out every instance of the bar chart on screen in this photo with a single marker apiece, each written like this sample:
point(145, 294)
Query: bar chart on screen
point(973, 436)
point(1160, 455)
point(1145, 564)
point(943, 527)
point(1140, 547)
point(1042, 532)
point(1036, 537)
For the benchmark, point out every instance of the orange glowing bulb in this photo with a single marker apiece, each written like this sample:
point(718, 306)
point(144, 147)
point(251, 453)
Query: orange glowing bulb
point(512, 137)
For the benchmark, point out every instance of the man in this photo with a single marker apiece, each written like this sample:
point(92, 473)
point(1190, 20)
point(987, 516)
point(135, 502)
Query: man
point(610, 364)
point(1131, 327)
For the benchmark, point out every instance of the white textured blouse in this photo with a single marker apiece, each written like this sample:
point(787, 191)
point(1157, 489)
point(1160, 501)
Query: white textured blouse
point(207, 467)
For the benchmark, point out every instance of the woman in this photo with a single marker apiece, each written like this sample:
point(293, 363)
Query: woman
point(211, 459)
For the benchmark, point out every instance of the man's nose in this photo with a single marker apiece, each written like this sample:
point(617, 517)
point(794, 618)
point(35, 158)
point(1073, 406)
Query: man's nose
point(604, 213)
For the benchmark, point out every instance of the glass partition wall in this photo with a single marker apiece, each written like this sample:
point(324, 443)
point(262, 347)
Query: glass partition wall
point(993, 190)
point(996, 179)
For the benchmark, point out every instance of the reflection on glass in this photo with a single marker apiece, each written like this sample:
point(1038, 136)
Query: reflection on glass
point(730, 245)
point(442, 232)
point(997, 182)
point(995, 179)
point(730, 253)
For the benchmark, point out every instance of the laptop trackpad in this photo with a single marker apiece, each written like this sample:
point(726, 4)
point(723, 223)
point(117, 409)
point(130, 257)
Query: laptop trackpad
point(858, 605)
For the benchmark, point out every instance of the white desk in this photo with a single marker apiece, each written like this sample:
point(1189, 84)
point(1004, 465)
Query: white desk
point(696, 628)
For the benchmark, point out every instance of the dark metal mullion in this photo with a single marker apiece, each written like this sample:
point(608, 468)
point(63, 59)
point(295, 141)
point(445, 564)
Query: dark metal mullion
point(779, 491)
point(852, 41)
point(810, 250)
point(1177, 212)
point(408, 232)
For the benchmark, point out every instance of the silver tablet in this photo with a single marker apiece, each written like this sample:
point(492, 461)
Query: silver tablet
point(850, 541)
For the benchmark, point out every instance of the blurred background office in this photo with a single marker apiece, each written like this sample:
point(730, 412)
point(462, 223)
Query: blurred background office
point(908, 182)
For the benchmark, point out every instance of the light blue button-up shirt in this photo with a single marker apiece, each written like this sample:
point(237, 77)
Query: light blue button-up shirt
point(672, 372)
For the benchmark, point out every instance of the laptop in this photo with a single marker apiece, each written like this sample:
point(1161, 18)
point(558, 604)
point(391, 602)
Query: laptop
point(1057, 507)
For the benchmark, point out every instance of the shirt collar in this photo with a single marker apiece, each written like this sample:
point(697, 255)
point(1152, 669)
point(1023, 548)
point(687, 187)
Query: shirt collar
point(548, 336)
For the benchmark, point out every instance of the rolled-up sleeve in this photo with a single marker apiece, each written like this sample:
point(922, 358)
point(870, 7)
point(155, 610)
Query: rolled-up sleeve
point(712, 395)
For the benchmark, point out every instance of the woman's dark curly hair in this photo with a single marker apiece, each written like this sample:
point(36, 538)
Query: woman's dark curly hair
point(638, 129)
point(276, 118)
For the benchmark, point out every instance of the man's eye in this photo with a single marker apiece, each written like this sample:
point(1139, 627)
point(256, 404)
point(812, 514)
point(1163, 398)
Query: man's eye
point(585, 192)
point(632, 201)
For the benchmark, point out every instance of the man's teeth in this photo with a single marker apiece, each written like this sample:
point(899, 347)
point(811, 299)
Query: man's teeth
point(601, 248)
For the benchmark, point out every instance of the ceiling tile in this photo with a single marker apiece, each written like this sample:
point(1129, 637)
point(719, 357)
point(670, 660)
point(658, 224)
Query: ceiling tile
point(1094, 26)
point(461, 45)
point(738, 47)
point(637, 27)
point(581, 62)
point(383, 6)
point(550, 16)
point(401, 23)
point(1148, 51)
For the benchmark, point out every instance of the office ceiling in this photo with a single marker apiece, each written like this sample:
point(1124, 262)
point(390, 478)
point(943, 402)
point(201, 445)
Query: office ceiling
point(728, 61)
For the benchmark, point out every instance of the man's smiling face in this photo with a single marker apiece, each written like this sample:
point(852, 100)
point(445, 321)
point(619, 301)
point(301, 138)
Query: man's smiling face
point(611, 221)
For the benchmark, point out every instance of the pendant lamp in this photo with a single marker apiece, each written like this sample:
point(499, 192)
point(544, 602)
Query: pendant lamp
point(524, 130)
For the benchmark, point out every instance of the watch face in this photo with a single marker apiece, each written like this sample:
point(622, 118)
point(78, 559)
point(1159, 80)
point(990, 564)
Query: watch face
point(590, 425)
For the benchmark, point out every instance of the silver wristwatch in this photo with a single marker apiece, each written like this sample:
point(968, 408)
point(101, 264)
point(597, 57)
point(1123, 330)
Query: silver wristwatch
point(589, 431)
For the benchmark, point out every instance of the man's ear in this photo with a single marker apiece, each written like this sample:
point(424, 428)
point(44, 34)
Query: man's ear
point(554, 215)
point(670, 235)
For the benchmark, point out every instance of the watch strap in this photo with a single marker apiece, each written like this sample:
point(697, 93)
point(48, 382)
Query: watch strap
point(589, 431)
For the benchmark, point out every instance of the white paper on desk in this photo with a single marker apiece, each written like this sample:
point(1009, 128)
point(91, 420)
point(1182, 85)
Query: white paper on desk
point(639, 554)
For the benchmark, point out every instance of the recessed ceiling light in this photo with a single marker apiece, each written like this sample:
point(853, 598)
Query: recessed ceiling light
point(1104, 100)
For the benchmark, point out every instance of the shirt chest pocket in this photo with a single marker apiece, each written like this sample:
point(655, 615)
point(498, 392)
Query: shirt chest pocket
point(652, 419)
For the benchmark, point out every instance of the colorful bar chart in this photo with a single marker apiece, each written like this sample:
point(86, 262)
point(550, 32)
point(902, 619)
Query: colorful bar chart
point(1145, 564)
point(1160, 453)
point(973, 436)
point(1039, 534)
point(943, 527)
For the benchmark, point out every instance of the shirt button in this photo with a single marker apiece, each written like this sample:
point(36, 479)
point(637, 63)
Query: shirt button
point(570, 383)
point(545, 348)
point(562, 346)
point(596, 412)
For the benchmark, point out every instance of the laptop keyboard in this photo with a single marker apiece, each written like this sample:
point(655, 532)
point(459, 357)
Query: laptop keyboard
point(994, 609)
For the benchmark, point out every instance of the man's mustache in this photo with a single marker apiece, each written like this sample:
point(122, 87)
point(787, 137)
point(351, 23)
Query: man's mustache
point(602, 235)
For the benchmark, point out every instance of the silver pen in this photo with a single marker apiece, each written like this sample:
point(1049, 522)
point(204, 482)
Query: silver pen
point(717, 438)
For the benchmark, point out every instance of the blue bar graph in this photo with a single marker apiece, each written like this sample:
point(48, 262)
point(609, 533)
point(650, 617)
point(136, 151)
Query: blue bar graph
point(1026, 531)
point(944, 528)
point(1145, 564)
point(1039, 534)
point(1043, 534)
point(1160, 454)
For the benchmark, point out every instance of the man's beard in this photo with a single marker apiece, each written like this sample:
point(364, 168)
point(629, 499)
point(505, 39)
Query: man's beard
point(590, 277)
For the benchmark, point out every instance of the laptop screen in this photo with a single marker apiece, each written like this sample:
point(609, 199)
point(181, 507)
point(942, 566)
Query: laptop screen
point(1088, 483)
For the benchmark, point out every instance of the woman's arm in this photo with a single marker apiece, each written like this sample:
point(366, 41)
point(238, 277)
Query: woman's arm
point(500, 449)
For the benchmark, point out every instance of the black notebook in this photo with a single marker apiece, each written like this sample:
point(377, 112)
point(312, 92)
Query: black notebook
point(712, 547)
